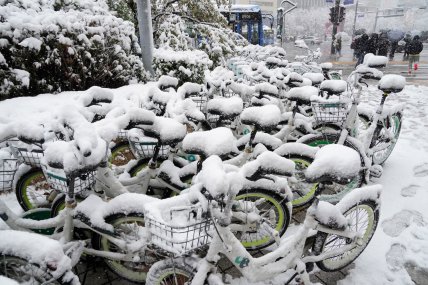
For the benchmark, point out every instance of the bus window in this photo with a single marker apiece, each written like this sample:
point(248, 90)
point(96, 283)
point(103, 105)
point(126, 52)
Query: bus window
point(244, 30)
point(255, 34)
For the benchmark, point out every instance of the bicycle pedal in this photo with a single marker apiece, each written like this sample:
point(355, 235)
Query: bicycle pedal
point(376, 171)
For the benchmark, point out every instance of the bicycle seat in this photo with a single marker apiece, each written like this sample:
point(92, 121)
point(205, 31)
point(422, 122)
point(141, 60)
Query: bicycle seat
point(264, 118)
point(326, 66)
point(334, 163)
point(392, 83)
point(166, 82)
point(139, 116)
point(226, 108)
point(316, 78)
point(30, 133)
point(267, 89)
point(268, 163)
point(333, 87)
point(218, 141)
point(269, 141)
point(189, 89)
point(294, 78)
point(167, 131)
point(169, 173)
point(330, 216)
point(160, 97)
point(369, 73)
point(97, 95)
point(302, 95)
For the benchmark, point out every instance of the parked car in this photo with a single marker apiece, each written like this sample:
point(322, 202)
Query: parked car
point(313, 40)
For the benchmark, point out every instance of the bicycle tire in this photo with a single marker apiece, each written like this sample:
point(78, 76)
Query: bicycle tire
point(132, 271)
point(121, 154)
point(170, 271)
point(22, 270)
point(381, 156)
point(281, 213)
point(323, 239)
point(33, 183)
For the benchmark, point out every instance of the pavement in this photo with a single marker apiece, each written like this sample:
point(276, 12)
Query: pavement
point(346, 63)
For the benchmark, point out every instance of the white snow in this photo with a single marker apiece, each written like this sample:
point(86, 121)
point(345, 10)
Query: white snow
point(218, 141)
point(228, 107)
point(392, 82)
point(264, 117)
point(337, 86)
point(303, 93)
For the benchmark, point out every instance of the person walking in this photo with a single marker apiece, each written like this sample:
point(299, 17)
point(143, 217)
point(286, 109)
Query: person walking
point(415, 48)
point(338, 45)
point(372, 43)
point(407, 41)
point(361, 48)
point(383, 45)
point(394, 45)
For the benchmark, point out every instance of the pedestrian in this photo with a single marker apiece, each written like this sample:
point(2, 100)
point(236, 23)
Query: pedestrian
point(394, 45)
point(383, 45)
point(361, 48)
point(415, 48)
point(353, 46)
point(372, 43)
point(407, 41)
point(338, 45)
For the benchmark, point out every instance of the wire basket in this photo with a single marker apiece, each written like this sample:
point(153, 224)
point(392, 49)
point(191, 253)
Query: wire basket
point(179, 240)
point(8, 168)
point(58, 180)
point(29, 156)
point(329, 112)
point(201, 102)
point(145, 148)
point(123, 135)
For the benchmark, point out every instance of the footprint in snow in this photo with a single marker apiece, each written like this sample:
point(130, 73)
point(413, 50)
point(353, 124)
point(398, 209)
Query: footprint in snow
point(421, 170)
point(410, 190)
point(402, 220)
point(395, 257)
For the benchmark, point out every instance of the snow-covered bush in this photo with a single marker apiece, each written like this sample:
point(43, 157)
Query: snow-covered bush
point(185, 65)
point(56, 45)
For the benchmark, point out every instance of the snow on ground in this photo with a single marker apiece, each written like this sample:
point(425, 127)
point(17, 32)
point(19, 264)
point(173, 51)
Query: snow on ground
point(398, 251)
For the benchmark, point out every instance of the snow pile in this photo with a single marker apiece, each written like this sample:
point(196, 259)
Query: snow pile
point(302, 94)
point(219, 141)
point(267, 88)
point(392, 83)
point(336, 162)
point(326, 65)
point(7, 281)
point(372, 60)
point(226, 107)
point(81, 41)
point(334, 86)
point(316, 78)
point(264, 117)
point(169, 131)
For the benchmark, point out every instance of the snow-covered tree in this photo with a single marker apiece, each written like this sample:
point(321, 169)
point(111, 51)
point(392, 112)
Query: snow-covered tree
point(57, 45)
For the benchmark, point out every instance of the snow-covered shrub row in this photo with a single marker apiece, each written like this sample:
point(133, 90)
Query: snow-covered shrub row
point(181, 33)
point(185, 65)
point(57, 45)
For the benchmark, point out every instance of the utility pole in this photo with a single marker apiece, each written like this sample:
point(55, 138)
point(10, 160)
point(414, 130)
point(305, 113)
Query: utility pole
point(335, 24)
point(355, 19)
point(144, 11)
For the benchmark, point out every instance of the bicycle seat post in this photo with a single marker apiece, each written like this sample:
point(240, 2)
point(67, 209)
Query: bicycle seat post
point(70, 204)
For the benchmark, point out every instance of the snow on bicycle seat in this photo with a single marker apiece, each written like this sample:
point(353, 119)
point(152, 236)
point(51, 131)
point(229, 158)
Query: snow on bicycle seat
point(267, 89)
point(392, 83)
point(161, 97)
point(316, 78)
point(264, 118)
point(226, 108)
point(326, 66)
point(170, 173)
point(368, 72)
point(334, 163)
point(166, 82)
point(93, 210)
point(189, 89)
point(167, 131)
point(330, 216)
point(294, 78)
point(333, 86)
point(375, 61)
point(218, 141)
point(268, 163)
point(302, 95)
point(269, 141)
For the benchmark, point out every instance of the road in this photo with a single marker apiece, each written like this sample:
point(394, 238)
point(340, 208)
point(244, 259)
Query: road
point(346, 64)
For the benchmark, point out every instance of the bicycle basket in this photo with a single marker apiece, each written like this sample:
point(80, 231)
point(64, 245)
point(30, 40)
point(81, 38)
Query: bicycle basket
point(8, 168)
point(123, 135)
point(326, 112)
point(58, 180)
point(29, 156)
point(177, 239)
point(144, 147)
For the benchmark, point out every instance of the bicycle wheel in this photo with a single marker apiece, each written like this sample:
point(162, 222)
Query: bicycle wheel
point(24, 272)
point(121, 154)
point(32, 190)
point(335, 188)
point(170, 272)
point(129, 228)
point(364, 218)
point(392, 125)
point(270, 205)
point(303, 192)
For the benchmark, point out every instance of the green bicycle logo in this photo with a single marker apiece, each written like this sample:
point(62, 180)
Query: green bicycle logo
point(242, 261)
